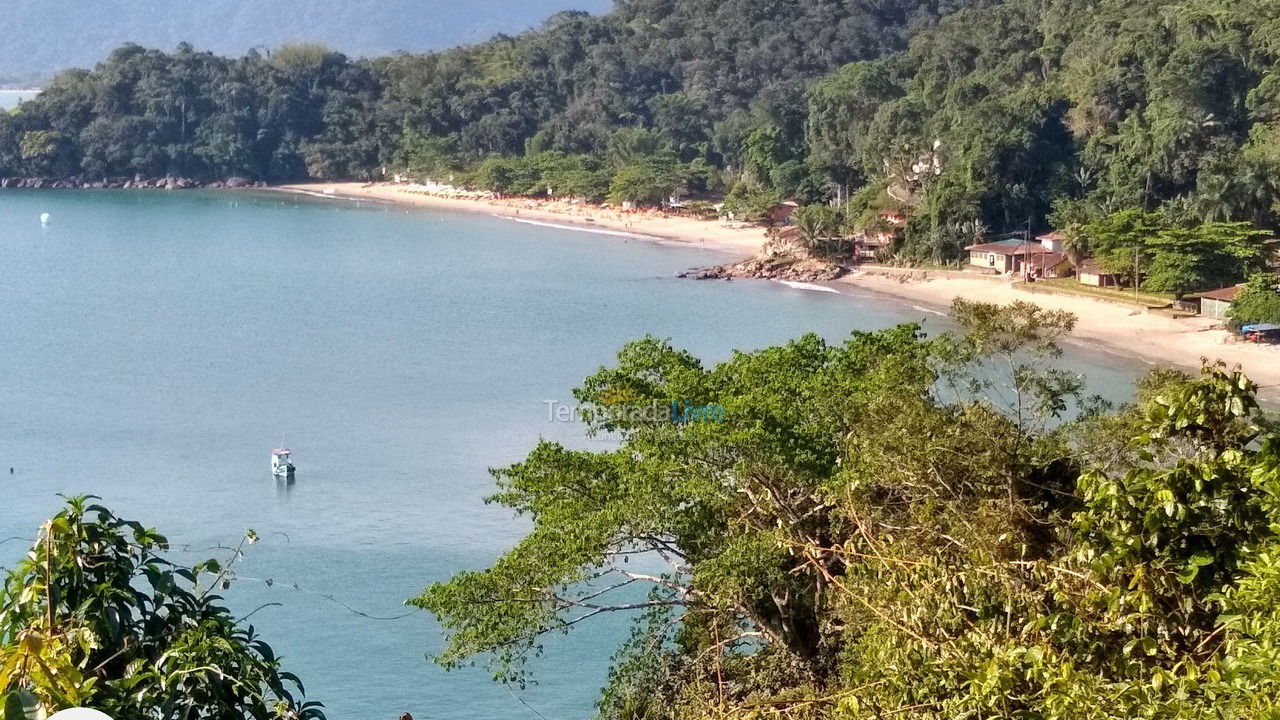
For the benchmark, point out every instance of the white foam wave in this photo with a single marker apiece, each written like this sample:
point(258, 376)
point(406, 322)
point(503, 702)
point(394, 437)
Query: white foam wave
point(577, 228)
point(809, 286)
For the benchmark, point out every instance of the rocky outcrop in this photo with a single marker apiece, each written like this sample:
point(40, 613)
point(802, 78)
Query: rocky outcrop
point(771, 267)
point(136, 182)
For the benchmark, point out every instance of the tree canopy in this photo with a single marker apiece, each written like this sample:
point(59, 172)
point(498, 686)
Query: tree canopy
point(671, 69)
point(1257, 302)
point(898, 526)
point(1172, 257)
point(96, 616)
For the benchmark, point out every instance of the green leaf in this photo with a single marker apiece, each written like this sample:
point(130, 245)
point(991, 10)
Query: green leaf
point(21, 705)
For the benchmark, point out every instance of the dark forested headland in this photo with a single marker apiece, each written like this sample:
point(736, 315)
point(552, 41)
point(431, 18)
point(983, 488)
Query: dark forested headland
point(984, 115)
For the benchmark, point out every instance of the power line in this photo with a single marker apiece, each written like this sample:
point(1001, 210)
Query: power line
point(269, 582)
point(522, 701)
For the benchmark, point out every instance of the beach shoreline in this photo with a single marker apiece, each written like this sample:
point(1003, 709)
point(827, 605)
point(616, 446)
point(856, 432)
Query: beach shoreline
point(1101, 325)
point(738, 239)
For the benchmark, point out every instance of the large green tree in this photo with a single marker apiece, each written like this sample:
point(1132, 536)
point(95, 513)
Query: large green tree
point(897, 526)
point(96, 616)
point(1174, 257)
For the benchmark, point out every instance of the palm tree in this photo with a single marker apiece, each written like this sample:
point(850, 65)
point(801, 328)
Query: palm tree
point(1075, 245)
point(817, 224)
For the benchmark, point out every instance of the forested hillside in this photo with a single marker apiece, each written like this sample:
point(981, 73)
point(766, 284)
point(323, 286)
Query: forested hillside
point(685, 70)
point(978, 117)
point(1083, 108)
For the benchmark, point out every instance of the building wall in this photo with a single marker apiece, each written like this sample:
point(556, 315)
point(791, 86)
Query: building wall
point(1216, 309)
point(1062, 269)
point(995, 261)
point(1097, 280)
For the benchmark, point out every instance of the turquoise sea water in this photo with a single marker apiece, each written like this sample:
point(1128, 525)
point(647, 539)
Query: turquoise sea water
point(154, 347)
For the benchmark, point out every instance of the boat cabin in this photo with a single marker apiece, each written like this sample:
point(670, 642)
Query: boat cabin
point(281, 465)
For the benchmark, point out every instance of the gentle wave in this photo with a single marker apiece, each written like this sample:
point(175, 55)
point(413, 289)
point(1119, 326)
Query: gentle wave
point(578, 228)
point(331, 195)
point(809, 286)
point(929, 310)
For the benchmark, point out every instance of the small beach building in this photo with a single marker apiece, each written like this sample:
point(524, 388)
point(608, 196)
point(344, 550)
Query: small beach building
point(1091, 273)
point(1003, 256)
point(1048, 264)
point(879, 236)
point(1216, 303)
point(782, 212)
point(1052, 242)
point(867, 245)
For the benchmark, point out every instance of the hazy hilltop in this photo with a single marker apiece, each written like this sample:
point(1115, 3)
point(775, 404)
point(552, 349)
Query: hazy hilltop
point(40, 37)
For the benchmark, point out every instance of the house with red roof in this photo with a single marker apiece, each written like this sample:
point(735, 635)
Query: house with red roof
point(880, 236)
point(1037, 259)
point(1048, 264)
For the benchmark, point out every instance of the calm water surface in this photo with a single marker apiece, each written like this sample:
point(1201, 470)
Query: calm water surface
point(11, 98)
point(157, 346)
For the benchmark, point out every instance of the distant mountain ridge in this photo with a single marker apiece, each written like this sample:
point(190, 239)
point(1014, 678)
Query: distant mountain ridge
point(40, 37)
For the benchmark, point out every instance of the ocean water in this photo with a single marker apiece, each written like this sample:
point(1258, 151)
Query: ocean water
point(154, 347)
point(11, 98)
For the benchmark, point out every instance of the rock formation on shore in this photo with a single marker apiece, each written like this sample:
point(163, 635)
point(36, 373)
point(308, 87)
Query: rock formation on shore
point(135, 182)
point(770, 268)
point(783, 257)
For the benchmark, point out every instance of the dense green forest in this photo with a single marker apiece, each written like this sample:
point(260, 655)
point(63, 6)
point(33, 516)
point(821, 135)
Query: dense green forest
point(898, 527)
point(680, 69)
point(980, 116)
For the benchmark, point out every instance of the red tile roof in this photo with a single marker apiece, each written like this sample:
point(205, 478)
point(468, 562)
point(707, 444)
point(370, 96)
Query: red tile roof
point(1044, 260)
point(1091, 267)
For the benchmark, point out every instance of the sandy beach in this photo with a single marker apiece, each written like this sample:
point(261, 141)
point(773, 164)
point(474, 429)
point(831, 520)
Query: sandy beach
point(739, 239)
point(1116, 328)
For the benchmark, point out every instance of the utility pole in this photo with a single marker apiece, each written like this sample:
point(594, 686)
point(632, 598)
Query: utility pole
point(1136, 301)
point(1026, 249)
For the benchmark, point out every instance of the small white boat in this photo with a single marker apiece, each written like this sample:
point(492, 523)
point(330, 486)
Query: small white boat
point(281, 465)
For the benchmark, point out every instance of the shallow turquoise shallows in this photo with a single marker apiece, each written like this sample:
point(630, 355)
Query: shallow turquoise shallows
point(155, 347)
